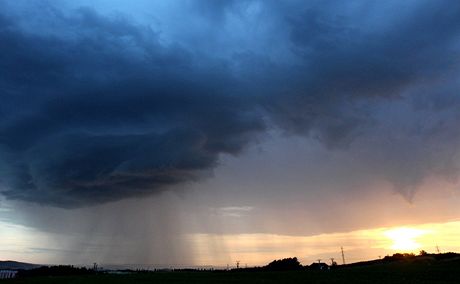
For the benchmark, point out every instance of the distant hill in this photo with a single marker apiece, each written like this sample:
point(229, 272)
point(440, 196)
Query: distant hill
point(404, 257)
point(9, 264)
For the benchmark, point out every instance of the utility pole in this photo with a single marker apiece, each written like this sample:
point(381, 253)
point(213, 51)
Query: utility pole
point(437, 249)
point(237, 264)
point(343, 256)
point(319, 261)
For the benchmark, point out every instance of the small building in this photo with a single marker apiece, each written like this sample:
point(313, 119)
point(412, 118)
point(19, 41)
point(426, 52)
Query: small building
point(319, 266)
point(7, 274)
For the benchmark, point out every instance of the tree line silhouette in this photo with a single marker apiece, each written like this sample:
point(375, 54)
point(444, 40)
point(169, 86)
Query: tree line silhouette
point(285, 264)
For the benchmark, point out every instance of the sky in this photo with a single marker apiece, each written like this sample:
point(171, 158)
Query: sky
point(190, 133)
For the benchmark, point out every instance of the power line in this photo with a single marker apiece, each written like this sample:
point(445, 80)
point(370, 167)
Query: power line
point(343, 256)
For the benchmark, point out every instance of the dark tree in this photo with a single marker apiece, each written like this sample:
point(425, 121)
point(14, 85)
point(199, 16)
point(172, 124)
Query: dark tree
point(284, 264)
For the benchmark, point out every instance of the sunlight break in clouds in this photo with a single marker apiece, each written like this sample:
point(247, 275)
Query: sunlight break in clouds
point(360, 245)
point(405, 239)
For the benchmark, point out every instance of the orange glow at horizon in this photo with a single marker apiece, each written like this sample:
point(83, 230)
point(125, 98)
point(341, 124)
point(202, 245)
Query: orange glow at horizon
point(360, 245)
point(405, 239)
point(16, 242)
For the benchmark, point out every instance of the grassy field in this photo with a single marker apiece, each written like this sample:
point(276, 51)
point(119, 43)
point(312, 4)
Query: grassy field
point(402, 272)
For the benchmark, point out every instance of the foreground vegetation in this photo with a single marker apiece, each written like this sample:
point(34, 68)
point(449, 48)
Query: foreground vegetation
point(409, 270)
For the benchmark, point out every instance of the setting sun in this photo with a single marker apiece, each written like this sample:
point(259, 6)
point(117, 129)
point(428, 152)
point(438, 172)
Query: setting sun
point(405, 239)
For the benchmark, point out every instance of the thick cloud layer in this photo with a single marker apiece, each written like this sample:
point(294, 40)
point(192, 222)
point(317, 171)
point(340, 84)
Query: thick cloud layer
point(99, 107)
point(104, 111)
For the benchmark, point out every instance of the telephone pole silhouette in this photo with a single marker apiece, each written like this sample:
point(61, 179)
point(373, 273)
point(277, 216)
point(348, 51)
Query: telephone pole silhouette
point(237, 264)
point(343, 256)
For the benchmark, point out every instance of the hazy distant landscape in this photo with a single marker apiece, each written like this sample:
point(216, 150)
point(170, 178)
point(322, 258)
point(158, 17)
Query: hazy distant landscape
point(399, 268)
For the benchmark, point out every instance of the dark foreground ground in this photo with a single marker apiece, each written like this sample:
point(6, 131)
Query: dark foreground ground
point(421, 271)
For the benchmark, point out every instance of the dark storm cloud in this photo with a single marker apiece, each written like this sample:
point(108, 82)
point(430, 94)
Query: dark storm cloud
point(106, 112)
point(345, 60)
point(98, 108)
point(359, 73)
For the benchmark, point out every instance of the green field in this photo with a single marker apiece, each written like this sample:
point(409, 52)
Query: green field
point(401, 272)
